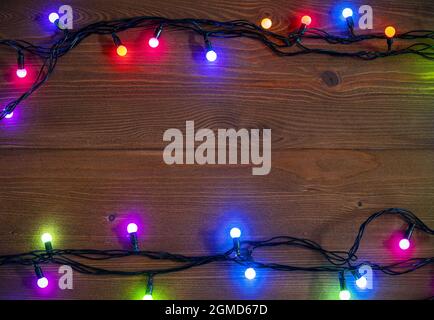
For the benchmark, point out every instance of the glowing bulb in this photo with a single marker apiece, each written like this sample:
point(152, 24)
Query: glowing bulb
point(266, 23)
point(235, 233)
point(53, 17)
point(390, 32)
point(46, 237)
point(250, 273)
point(153, 42)
point(404, 244)
point(42, 283)
point(211, 56)
point(362, 282)
point(347, 12)
point(9, 115)
point(148, 297)
point(132, 228)
point(122, 51)
point(306, 20)
point(344, 295)
point(21, 73)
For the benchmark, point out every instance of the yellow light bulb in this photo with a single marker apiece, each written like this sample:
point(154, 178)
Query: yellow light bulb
point(122, 51)
point(390, 32)
point(266, 23)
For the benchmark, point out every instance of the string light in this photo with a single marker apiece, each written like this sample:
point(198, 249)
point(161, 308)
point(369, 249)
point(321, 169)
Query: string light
point(305, 22)
point(9, 115)
point(337, 262)
point(266, 23)
point(390, 33)
point(235, 234)
point(47, 240)
point(282, 45)
point(132, 231)
point(404, 243)
point(344, 293)
point(121, 50)
point(53, 17)
point(42, 281)
point(149, 289)
point(347, 13)
point(211, 55)
point(21, 70)
point(154, 42)
point(250, 273)
point(361, 281)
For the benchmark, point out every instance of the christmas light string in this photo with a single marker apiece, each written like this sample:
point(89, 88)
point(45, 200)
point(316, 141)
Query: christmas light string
point(339, 263)
point(292, 44)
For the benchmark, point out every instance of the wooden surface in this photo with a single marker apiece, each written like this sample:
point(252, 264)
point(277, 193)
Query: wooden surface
point(84, 152)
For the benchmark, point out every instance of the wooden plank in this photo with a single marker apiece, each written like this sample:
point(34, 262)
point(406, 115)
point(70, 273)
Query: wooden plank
point(329, 193)
point(95, 101)
point(85, 152)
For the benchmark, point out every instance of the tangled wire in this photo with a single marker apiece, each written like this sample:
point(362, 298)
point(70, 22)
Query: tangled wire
point(292, 44)
point(241, 253)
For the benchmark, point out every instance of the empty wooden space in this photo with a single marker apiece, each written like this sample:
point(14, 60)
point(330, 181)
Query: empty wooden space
point(349, 138)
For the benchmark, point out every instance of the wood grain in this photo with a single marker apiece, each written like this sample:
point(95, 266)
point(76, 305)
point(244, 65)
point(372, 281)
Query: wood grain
point(85, 151)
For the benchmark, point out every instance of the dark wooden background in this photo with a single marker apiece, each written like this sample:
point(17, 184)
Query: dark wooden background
point(85, 152)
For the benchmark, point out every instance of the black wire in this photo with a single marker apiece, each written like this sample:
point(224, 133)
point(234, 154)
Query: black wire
point(289, 45)
point(336, 261)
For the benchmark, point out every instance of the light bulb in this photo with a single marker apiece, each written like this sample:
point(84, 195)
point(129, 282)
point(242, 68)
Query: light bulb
point(132, 227)
point(344, 295)
point(211, 56)
point(362, 282)
point(154, 42)
point(53, 17)
point(307, 20)
point(21, 73)
point(404, 244)
point(266, 23)
point(347, 12)
point(250, 273)
point(46, 237)
point(9, 115)
point(132, 231)
point(148, 297)
point(42, 283)
point(235, 233)
point(122, 50)
point(390, 32)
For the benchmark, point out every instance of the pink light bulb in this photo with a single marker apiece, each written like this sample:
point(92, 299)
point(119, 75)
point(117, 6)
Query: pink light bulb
point(42, 283)
point(404, 244)
point(154, 42)
point(9, 115)
point(21, 73)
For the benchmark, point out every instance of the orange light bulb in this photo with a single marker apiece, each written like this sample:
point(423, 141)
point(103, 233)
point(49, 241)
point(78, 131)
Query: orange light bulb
point(390, 32)
point(122, 51)
point(306, 20)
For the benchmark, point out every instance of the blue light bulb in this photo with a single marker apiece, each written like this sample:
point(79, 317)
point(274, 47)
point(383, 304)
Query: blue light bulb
point(211, 56)
point(235, 233)
point(347, 12)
